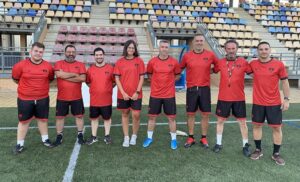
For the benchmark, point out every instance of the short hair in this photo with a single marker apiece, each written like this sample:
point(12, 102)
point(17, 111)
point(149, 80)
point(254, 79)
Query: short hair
point(71, 46)
point(38, 44)
point(126, 45)
point(231, 41)
point(164, 41)
point(263, 42)
point(98, 49)
point(198, 34)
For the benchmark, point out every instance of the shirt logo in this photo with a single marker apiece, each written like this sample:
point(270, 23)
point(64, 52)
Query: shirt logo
point(45, 71)
point(271, 70)
point(170, 65)
point(106, 72)
point(76, 67)
point(238, 66)
point(205, 59)
point(136, 65)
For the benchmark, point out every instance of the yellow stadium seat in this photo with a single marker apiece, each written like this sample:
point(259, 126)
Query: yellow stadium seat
point(28, 19)
point(64, 2)
point(216, 34)
point(121, 17)
point(8, 18)
point(149, 6)
point(240, 35)
point(163, 25)
point(26, 6)
point(59, 14)
point(72, 2)
point(145, 17)
point(79, 3)
point(44, 7)
point(155, 24)
point(158, 12)
point(178, 25)
point(111, 16)
point(172, 25)
point(85, 15)
point(68, 14)
point(36, 6)
point(8, 5)
point(166, 12)
point(226, 27)
point(137, 17)
point(50, 13)
point(135, 6)
point(127, 5)
point(17, 19)
point(129, 17)
point(295, 37)
point(219, 27)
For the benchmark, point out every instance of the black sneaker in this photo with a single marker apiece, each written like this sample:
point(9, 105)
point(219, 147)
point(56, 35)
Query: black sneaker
point(246, 150)
point(18, 149)
point(91, 140)
point(80, 139)
point(217, 148)
point(58, 141)
point(107, 139)
point(48, 144)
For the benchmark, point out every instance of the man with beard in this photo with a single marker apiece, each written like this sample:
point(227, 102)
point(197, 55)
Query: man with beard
point(70, 74)
point(198, 64)
point(33, 76)
point(267, 103)
point(100, 79)
point(231, 94)
point(163, 71)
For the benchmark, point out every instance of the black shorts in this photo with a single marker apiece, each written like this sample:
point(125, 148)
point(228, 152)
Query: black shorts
point(273, 114)
point(27, 109)
point(155, 105)
point(238, 109)
point(129, 104)
point(198, 98)
point(62, 108)
point(96, 112)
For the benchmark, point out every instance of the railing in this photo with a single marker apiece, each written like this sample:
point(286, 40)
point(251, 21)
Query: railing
point(152, 34)
point(39, 28)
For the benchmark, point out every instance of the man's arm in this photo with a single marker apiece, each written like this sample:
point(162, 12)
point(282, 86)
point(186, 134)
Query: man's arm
point(65, 75)
point(78, 78)
point(286, 94)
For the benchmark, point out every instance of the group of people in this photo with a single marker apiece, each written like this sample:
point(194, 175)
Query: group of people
point(34, 75)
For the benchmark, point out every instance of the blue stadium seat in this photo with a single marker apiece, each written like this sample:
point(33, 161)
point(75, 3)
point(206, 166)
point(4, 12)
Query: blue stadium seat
point(294, 9)
point(224, 10)
point(30, 1)
point(21, 1)
point(53, 7)
point(161, 18)
point(133, 1)
point(276, 13)
point(219, 10)
point(282, 8)
point(276, 18)
point(220, 5)
point(70, 8)
point(170, 7)
point(61, 8)
point(202, 14)
point(245, 6)
point(136, 11)
point(128, 11)
point(211, 9)
point(112, 10)
point(286, 30)
point(119, 1)
point(188, 3)
point(242, 22)
point(195, 14)
point(270, 17)
point(86, 8)
point(283, 18)
point(181, 3)
point(176, 19)
point(235, 21)
point(209, 14)
point(156, 7)
point(12, 12)
point(279, 30)
point(272, 29)
point(228, 21)
point(39, 1)
point(31, 12)
point(22, 12)
point(144, 11)
point(169, 18)
point(163, 7)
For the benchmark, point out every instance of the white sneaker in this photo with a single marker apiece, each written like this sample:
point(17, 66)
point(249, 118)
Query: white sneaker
point(126, 142)
point(133, 140)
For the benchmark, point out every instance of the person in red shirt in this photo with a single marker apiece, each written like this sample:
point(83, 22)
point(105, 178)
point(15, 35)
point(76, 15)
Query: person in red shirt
point(70, 74)
point(100, 79)
point(33, 76)
point(162, 71)
point(267, 102)
point(231, 94)
point(129, 76)
point(198, 64)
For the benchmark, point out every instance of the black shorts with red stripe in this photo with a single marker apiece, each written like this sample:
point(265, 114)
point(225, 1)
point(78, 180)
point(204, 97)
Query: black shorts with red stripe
point(273, 114)
point(129, 104)
point(29, 109)
point(156, 104)
point(237, 108)
point(198, 98)
point(104, 111)
point(62, 108)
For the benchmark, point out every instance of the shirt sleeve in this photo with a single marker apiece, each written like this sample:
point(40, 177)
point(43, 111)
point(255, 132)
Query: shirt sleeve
point(116, 69)
point(57, 66)
point(150, 67)
point(215, 62)
point(82, 69)
point(183, 61)
point(88, 76)
point(249, 68)
point(51, 72)
point(141, 67)
point(17, 71)
point(177, 68)
point(282, 72)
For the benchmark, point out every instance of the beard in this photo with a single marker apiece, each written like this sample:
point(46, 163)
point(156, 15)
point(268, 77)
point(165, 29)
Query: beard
point(230, 57)
point(70, 58)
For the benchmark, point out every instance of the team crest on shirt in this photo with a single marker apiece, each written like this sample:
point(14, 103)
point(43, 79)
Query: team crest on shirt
point(170, 65)
point(136, 65)
point(238, 66)
point(106, 72)
point(45, 71)
point(76, 67)
point(205, 59)
point(271, 70)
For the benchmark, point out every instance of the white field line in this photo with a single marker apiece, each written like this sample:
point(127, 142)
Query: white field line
point(143, 124)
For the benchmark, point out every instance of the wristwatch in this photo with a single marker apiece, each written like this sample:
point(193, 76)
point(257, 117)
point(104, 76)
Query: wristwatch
point(286, 98)
point(138, 92)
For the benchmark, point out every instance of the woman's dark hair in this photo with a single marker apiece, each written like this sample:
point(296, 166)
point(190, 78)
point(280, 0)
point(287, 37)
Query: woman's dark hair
point(127, 43)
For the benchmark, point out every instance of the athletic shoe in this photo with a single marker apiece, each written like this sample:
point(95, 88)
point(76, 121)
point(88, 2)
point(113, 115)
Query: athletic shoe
point(204, 142)
point(125, 143)
point(107, 139)
point(217, 148)
point(256, 154)
point(91, 140)
point(173, 144)
point(278, 159)
point(18, 149)
point(246, 150)
point(189, 142)
point(132, 141)
point(147, 142)
point(48, 144)
point(59, 140)
point(80, 139)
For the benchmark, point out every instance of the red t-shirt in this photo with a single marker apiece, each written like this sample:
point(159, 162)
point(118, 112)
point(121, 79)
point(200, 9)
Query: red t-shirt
point(68, 91)
point(231, 88)
point(198, 66)
point(33, 79)
point(265, 81)
point(101, 85)
point(129, 71)
point(163, 76)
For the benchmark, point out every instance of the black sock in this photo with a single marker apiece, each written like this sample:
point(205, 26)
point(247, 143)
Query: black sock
point(60, 133)
point(203, 136)
point(276, 149)
point(258, 144)
point(79, 133)
point(191, 136)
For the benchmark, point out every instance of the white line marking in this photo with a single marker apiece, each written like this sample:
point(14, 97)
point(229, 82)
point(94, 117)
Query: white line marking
point(142, 124)
point(72, 163)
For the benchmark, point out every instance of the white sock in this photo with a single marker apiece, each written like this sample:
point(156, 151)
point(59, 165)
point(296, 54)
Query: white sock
point(44, 138)
point(126, 138)
point(20, 142)
point(150, 134)
point(133, 137)
point(173, 136)
point(219, 139)
point(244, 142)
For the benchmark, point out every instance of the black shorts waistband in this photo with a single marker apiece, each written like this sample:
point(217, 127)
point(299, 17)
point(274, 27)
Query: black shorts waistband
point(196, 88)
